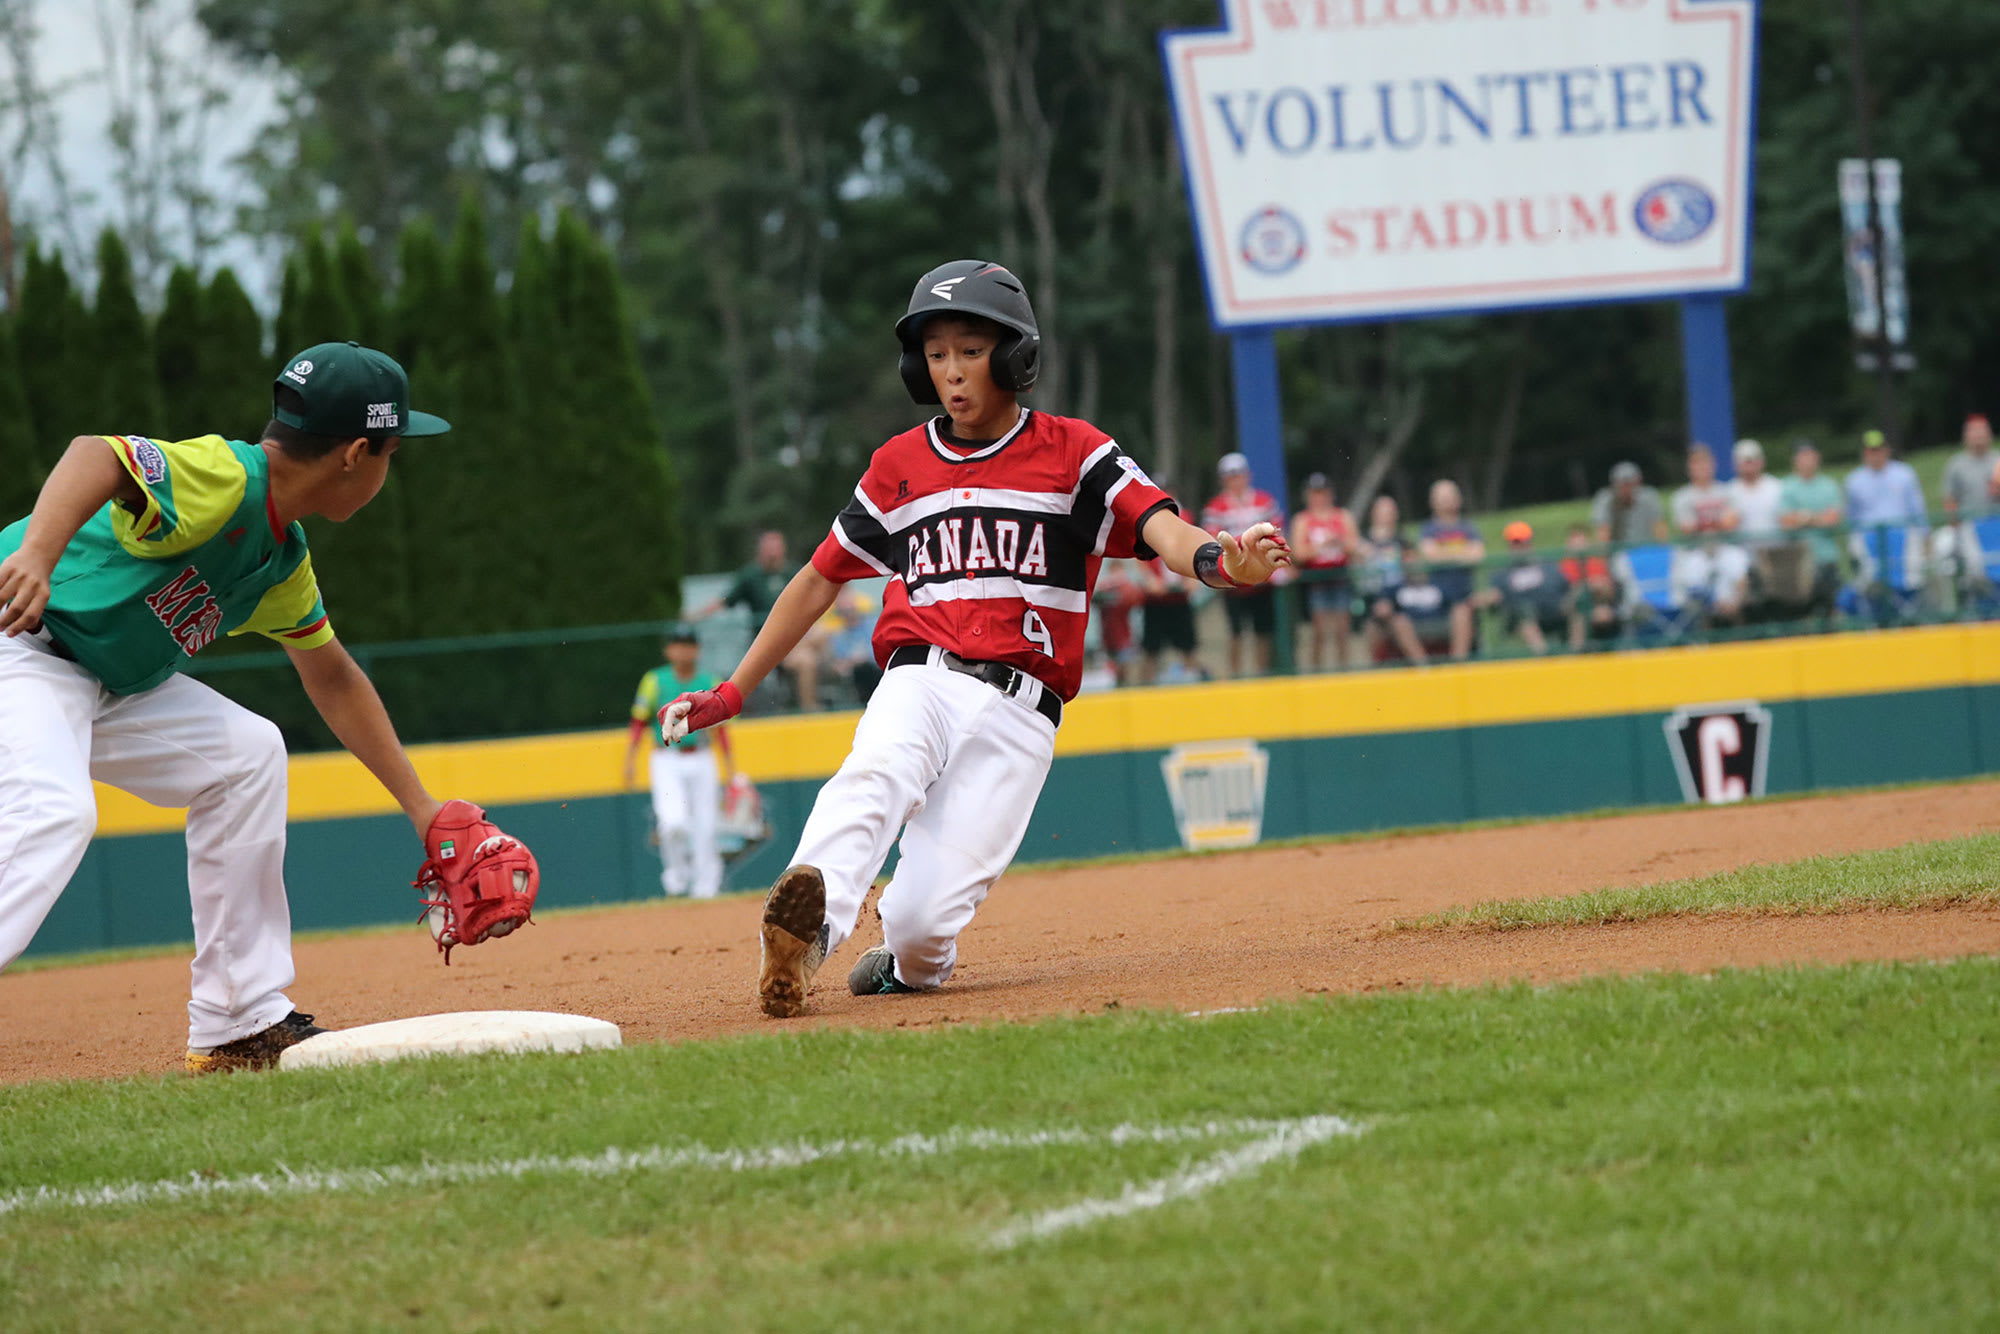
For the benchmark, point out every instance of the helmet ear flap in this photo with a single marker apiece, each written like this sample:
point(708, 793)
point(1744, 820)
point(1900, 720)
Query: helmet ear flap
point(1017, 362)
point(917, 376)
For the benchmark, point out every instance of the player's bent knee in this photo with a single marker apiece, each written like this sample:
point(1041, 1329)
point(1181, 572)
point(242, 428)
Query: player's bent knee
point(915, 935)
point(65, 817)
point(256, 747)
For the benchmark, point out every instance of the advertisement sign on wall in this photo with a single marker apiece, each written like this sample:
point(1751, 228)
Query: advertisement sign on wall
point(1371, 159)
point(1863, 310)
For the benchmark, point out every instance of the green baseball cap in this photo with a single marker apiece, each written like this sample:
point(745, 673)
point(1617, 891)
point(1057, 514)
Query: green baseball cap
point(347, 390)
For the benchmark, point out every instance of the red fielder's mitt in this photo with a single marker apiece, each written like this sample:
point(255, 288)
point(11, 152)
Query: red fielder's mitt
point(477, 882)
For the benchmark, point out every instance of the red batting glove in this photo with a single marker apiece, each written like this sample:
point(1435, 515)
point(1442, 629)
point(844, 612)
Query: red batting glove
point(698, 709)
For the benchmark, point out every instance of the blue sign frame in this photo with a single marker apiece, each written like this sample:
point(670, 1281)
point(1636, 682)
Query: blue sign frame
point(1705, 356)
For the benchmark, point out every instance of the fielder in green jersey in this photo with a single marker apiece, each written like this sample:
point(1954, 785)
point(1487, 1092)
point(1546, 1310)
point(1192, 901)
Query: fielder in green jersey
point(139, 554)
point(687, 789)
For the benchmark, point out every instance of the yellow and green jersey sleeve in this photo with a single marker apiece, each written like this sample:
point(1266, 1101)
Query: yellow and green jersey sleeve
point(134, 595)
point(192, 487)
point(291, 613)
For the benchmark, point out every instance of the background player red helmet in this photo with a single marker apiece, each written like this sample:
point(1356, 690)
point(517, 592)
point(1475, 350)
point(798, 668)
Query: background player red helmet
point(972, 287)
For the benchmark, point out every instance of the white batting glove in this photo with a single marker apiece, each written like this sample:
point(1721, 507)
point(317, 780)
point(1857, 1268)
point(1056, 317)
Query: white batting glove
point(1256, 556)
point(674, 721)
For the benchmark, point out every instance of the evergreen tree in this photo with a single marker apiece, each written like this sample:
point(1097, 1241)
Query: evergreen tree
point(631, 481)
point(51, 340)
point(360, 286)
point(121, 347)
point(417, 326)
point(289, 327)
point(364, 561)
point(324, 315)
point(20, 461)
point(236, 372)
point(177, 348)
point(461, 487)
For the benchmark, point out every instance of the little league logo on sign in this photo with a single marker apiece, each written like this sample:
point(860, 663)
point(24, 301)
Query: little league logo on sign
point(1367, 159)
point(1674, 212)
point(1720, 751)
point(1217, 790)
point(1273, 241)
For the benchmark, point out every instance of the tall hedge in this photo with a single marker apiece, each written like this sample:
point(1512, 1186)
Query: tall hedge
point(236, 370)
point(121, 348)
point(184, 411)
point(550, 503)
point(52, 339)
point(20, 459)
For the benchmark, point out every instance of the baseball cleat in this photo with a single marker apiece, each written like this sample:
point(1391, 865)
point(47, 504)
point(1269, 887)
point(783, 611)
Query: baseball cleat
point(874, 974)
point(259, 1051)
point(794, 941)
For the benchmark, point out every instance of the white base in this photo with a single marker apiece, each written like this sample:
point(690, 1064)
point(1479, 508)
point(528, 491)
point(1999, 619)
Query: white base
point(461, 1034)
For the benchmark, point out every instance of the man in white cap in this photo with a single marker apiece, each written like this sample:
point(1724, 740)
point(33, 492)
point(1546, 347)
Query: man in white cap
point(1252, 616)
point(1759, 497)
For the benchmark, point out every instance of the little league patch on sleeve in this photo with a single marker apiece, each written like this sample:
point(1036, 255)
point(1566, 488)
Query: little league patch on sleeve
point(447, 850)
point(152, 463)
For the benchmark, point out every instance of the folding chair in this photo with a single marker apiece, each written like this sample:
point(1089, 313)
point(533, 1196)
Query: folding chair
point(1889, 571)
point(1654, 606)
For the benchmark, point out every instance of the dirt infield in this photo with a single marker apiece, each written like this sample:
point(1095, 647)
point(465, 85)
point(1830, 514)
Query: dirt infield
point(1186, 933)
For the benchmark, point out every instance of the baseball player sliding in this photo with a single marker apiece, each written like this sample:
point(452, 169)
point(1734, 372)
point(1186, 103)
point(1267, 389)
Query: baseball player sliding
point(139, 554)
point(990, 522)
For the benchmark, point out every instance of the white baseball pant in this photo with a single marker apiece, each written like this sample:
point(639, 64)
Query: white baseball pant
point(956, 766)
point(178, 744)
point(686, 799)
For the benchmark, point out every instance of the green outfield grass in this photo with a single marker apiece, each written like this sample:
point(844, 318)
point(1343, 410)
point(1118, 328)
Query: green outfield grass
point(1919, 875)
point(1775, 1149)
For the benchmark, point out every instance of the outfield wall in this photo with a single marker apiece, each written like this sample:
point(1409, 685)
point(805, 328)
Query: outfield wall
point(1347, 752)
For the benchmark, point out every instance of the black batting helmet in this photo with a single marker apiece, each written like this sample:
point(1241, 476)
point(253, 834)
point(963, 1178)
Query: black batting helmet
point(972, 287)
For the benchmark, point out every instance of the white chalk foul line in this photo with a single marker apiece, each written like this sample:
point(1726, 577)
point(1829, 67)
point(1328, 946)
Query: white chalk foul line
point(1285, 1139)
point(1277, 1138)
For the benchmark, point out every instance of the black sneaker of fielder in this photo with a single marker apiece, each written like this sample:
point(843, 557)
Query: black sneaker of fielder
point(259, 1051)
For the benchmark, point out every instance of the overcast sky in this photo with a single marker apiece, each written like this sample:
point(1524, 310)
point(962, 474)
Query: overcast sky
point(70, 57)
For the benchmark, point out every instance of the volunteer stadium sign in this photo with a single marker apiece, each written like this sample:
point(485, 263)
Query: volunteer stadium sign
point(1369, 159)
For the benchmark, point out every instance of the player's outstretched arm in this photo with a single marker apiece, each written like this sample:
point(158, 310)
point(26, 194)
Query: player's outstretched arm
point(346, 698)
point(1220, 560)
point(805, 599)
point(87, 475)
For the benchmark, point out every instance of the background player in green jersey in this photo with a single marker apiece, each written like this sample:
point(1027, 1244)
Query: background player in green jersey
point(139, 554)
point(687, 791)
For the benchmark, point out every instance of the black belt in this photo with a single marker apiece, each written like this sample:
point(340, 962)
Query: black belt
point(1007, 680)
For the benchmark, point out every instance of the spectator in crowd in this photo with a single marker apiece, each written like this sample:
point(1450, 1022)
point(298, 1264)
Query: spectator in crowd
point(1118, 592)
point(1628, 512)
point(1532, 593)
point(1779, 572)
point(1757, 496)
point(1812, 507)
point(1252, 611)
point(1384, 574)
point(755, 588)
point(849, 633)
point(1168, 625)
point(1596, 607)
point(1452, 550)
point(1968, 491)
point(1883, 491)
point(1708, 569)
point(1324, 543)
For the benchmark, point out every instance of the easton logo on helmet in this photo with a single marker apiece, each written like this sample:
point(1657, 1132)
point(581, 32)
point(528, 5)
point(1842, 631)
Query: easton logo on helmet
point(943, 289)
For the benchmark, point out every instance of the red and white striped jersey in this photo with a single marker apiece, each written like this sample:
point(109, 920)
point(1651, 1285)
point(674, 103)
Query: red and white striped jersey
point(992, 547)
